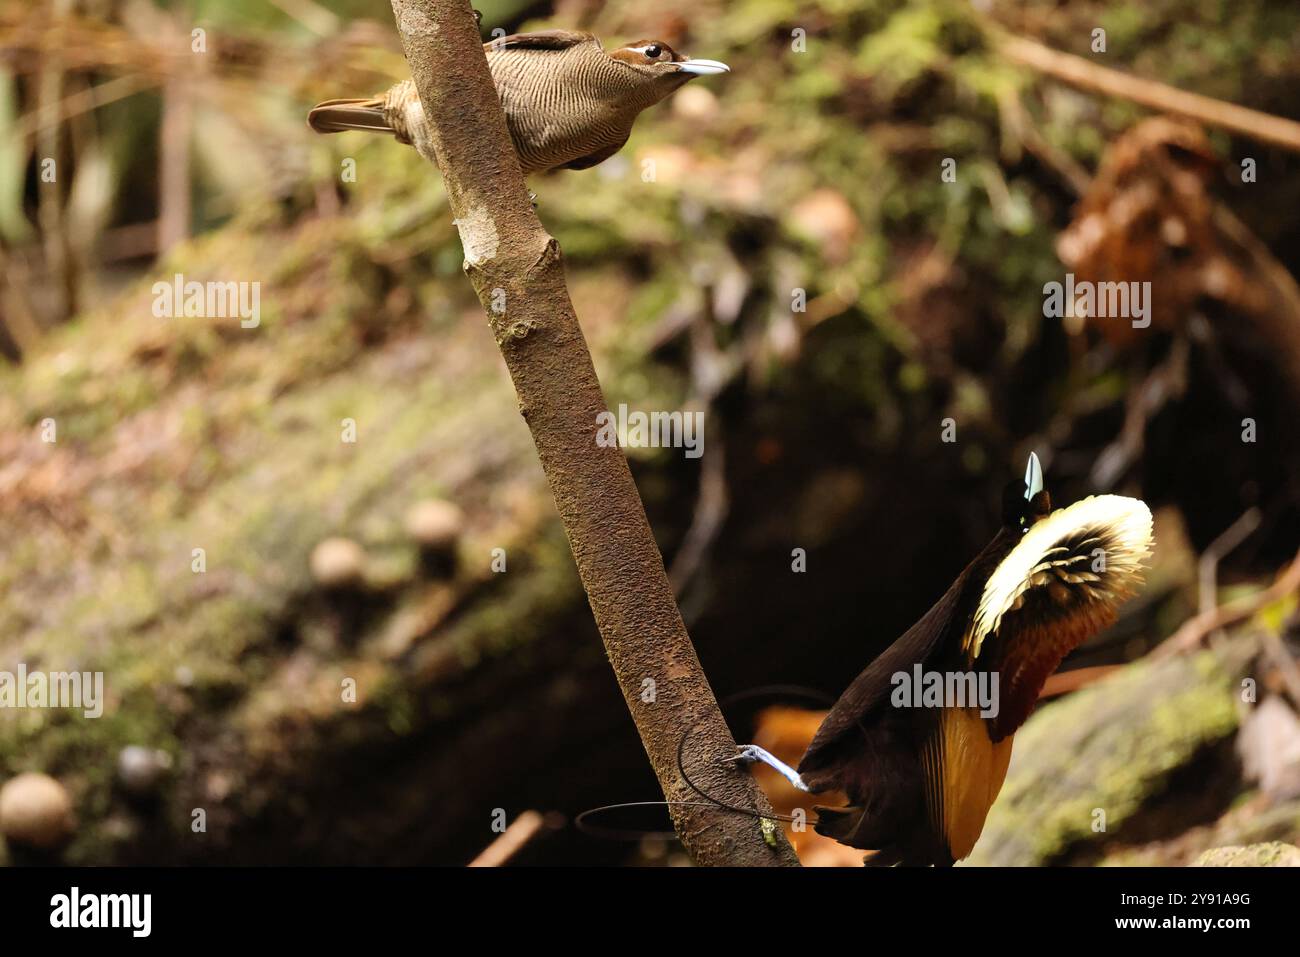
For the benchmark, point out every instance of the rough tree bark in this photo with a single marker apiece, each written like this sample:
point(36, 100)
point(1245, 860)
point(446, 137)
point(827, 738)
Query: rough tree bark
point(516, 270)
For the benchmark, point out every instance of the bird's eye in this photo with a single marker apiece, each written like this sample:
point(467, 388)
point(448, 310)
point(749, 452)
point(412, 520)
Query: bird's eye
point(652, 52)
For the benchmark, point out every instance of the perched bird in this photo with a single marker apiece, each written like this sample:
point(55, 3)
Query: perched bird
point(568, 103)
point(922, 771)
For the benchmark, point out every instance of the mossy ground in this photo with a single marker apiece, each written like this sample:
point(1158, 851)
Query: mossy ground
point(1082, 768)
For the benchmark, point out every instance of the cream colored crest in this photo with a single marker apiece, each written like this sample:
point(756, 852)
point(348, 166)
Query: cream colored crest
point(1095, 548)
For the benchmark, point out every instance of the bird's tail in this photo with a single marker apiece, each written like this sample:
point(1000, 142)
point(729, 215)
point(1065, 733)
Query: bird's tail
point(335, 116)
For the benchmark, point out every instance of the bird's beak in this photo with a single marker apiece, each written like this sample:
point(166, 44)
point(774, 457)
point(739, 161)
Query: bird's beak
point(1033, 477)
point(703, 67)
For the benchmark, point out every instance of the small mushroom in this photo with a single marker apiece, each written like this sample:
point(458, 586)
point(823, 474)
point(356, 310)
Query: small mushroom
point(436, 527)
point(35, 811)
point(140, 770)
point(435, 524)
point(338, 563)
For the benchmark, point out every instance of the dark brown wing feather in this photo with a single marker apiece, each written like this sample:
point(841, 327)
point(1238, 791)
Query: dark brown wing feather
point(539, 40)
point(335, 116)
point(596, 158)
point(876, 753)
point(936, 633)
point(871, 689)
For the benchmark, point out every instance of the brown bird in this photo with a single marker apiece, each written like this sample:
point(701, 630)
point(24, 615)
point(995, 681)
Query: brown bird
point(921, 739)
point(568, 103)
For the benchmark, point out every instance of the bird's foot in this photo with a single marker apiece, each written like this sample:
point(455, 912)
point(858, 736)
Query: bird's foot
point(752, 754)
point(745, 754)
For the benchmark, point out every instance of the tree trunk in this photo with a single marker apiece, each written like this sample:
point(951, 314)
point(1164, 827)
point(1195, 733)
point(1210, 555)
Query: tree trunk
point(516, 270)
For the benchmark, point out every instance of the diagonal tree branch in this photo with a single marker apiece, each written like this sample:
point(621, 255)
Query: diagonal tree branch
point(1087, 75)
point(515, 267)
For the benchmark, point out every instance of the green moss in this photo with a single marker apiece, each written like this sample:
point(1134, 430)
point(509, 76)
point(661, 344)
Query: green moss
point(1106, 750)
point(235, 444)
point(1273, 854)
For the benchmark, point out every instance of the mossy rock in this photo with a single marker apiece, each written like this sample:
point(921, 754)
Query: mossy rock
point(1272, 854)
point(1100, 755)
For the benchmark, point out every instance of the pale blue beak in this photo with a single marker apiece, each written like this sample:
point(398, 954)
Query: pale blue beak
point(703, 67)
point(1033, 477)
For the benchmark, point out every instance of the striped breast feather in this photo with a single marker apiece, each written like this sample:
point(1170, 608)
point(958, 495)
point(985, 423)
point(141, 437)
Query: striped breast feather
point(1089, 554)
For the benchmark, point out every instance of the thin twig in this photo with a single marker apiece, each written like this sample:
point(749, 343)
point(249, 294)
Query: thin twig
point(711, 504)
point(1208, 567)
point(174, 135)
point(1194, 630)
point(1067, 681)
point(510, 841)
point(84, 101)
point(1087, 75)
point(316, 18)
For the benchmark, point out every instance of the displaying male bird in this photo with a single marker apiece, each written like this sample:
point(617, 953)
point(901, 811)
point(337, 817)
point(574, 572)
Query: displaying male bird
point(568, 103)
point(921, 779)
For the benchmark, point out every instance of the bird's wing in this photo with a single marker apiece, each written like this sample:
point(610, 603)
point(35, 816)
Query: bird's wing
point(540, 40)
point(596, 158)
point(873, 687)
point(1059, 586)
